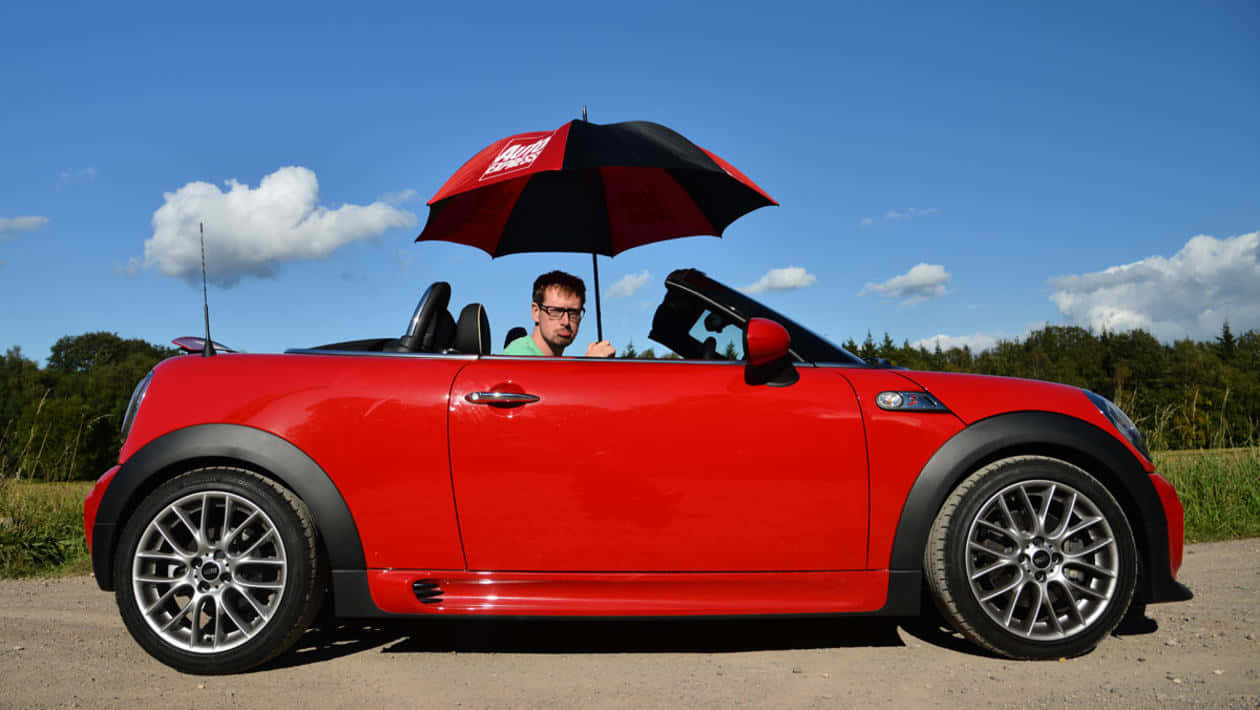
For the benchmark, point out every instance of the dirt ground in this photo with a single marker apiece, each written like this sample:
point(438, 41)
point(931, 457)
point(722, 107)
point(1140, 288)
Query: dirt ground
point(62, 644)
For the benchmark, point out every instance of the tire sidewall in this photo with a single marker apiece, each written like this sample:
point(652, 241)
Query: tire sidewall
point(997, 478)
point(298, 573)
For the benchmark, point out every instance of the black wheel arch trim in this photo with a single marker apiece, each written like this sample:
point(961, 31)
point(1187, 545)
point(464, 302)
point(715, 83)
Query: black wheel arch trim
point(228, 444)
point(1049, 434)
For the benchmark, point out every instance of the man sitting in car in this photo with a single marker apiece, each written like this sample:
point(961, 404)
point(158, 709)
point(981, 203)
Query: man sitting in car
point(557, 309)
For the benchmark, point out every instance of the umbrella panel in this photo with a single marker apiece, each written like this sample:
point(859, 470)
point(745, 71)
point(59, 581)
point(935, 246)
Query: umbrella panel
point(604, 211)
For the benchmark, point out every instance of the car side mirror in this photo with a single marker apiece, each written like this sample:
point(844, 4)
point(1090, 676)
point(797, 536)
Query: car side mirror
point(766, 347)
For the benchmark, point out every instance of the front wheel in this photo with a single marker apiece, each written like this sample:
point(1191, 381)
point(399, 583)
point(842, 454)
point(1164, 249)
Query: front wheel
point(218, 570)
point(1031, 557)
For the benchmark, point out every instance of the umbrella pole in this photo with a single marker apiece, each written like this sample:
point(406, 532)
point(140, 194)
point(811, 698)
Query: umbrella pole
point(599, 320)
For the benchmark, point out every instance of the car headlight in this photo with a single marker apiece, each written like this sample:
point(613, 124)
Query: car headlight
point(137, 396)
point(1120, 420)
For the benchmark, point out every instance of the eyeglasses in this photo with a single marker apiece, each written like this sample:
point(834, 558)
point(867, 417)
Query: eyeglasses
point(556, 312)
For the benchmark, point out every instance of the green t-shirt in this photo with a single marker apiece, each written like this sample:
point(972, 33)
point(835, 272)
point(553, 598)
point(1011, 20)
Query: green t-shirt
point(523, 345)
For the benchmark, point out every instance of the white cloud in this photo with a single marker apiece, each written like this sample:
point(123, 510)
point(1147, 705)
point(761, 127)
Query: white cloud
point(250, 231)
point(627, 285)
point(1190, 294)
point(976, 341)
point(921, 282)
point(897, 215)
point(77, 175)
point(785, 279)
point(399, 198)
point(129, 269)
point(21, 224)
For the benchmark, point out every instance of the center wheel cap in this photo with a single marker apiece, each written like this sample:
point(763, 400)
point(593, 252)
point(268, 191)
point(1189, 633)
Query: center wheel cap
point(1041, 559)
point(210, 571)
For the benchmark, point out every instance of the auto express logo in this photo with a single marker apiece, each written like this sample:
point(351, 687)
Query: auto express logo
point(517, 155)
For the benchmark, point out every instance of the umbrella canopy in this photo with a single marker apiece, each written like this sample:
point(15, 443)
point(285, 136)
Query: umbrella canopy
point(589, 188)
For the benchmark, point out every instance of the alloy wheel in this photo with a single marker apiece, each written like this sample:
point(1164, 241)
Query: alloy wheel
point(1042, 560)
point(209, 572)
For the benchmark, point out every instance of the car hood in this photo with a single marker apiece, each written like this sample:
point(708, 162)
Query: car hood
point(976, 397)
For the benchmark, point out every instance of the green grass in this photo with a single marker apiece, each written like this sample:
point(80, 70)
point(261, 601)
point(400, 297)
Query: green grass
point(1219, 488)
point(41, 528)
point(41, 524)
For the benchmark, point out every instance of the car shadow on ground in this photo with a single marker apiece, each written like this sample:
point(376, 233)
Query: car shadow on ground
point(343, 638)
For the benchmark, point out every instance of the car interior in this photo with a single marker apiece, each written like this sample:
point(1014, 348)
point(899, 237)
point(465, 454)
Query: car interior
point(684, 323)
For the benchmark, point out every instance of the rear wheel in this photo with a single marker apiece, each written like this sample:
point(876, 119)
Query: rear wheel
point(218, 570)
point(1031, 557)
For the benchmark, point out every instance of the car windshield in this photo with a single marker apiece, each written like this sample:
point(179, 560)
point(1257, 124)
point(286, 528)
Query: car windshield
point(703, 319)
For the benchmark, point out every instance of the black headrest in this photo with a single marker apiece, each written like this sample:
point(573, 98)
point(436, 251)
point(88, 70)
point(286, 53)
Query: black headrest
point(441, 335)
point(422, 331)
point(472, 333)
point(513, 334)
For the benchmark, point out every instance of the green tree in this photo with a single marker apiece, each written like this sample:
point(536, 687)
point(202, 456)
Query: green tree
point(1225, 343)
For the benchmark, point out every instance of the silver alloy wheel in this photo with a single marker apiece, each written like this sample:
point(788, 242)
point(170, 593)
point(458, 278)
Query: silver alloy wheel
point(1042, 561)
point(209, 572)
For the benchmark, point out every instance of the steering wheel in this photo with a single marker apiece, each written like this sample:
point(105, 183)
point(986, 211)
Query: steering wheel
point(423, 326)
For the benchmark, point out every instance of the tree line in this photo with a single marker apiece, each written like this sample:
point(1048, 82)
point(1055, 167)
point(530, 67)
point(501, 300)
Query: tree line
point(61, 421)
point(1184, 395)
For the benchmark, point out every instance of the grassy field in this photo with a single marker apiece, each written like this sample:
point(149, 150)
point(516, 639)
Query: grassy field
point(41, 528)
point(1219, 488)
point(41, 524)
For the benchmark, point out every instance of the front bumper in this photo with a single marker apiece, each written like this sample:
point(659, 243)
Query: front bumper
point(92, 503)
point(1165, 587)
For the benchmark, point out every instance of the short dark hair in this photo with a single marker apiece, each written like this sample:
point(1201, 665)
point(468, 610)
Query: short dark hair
point(560, 280)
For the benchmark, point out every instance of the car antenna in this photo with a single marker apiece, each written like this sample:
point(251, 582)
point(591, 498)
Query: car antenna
point(207, 350)
point(583, 112)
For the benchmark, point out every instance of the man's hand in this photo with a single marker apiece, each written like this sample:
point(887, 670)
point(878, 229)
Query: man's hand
point(601, 349)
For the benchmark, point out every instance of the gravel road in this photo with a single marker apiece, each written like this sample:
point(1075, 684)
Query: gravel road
point(62, 644)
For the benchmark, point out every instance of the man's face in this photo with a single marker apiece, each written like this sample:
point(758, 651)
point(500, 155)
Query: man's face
point(557, 332)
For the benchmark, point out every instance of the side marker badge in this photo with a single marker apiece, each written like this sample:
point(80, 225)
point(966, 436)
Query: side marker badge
point(908, 402)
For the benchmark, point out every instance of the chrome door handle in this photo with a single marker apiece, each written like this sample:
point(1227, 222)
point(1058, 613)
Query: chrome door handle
point(501, 399)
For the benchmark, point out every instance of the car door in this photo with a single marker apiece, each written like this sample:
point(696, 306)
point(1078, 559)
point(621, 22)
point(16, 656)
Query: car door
point(633, 465)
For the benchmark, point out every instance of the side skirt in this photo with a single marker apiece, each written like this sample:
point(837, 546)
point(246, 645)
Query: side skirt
point(391, 593)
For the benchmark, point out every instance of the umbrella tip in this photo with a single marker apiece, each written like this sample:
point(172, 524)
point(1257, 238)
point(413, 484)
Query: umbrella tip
point(583, 112)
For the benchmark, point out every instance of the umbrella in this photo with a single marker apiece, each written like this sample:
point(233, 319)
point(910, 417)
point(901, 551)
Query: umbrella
point(589, 188)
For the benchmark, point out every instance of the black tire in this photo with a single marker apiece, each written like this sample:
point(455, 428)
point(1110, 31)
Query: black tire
point(218, 570)
point(1035, 579)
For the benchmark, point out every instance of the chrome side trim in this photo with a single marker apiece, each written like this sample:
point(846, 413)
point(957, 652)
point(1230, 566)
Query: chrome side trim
point(361, 353)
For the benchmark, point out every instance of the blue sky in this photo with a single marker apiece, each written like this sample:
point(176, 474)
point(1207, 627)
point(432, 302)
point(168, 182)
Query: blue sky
point(971, 171)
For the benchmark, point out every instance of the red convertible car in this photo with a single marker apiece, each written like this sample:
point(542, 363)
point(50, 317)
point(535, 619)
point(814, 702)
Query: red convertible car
point(425, 476)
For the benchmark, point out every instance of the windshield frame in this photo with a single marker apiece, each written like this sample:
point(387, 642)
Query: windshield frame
point(806, 345)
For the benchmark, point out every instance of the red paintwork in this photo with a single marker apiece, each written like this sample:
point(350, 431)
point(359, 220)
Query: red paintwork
point(657, 466)
point(976, 397)
point(678, 594)
point(93, 503)
point(628, 488)
point(376, 425)
point(767, 341)
point(1176, 517)
point(899, 444)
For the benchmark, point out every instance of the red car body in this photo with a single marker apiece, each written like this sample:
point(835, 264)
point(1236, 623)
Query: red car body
point(628, 488)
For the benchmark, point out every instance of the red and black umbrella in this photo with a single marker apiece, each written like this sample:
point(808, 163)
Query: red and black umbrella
point(589, 188)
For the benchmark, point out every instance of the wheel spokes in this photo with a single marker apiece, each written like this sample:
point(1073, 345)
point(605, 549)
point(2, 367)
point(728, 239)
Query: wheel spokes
point(1041, 560)
point(209, 599)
